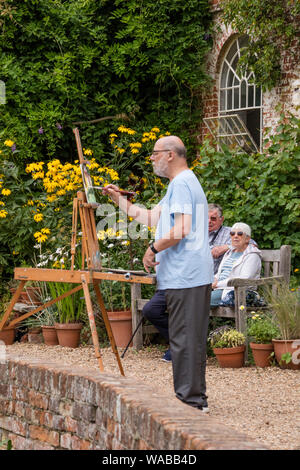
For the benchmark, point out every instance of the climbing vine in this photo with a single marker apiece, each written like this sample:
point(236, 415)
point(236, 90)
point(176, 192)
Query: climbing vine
point(272, 26)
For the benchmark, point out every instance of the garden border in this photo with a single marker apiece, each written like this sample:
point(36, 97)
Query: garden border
point(50, 406)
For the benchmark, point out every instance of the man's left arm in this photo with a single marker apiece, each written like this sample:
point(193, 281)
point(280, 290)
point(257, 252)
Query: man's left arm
point(181, 228)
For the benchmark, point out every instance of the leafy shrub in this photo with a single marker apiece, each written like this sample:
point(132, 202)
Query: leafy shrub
point(85, 61)
point(261, 328)
point(226, 337)
point(259, 189)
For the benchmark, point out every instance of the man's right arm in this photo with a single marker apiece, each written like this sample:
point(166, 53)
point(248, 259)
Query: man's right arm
point(145, 216)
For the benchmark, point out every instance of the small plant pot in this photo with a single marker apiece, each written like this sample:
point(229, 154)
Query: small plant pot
point(230, 357)
point(121, 325)
point(262, 354)
point(7, 335)
point(50, 335)
point(291, 346)
point(35, 336)
point(68, 334)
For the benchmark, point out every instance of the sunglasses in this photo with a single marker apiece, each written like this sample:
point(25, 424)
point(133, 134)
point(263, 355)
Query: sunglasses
point(240, 234)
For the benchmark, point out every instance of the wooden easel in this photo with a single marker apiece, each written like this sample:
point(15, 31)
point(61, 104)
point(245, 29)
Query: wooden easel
point(91, 271)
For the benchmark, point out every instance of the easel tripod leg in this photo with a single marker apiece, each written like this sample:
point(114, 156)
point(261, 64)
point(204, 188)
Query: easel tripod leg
point(12, 303)
point(108, 326)
point(92, 321)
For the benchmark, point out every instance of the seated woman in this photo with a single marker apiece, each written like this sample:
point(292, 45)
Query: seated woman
point(242, 260)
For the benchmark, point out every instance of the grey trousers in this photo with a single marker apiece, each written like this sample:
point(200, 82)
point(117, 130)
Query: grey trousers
point(188, 323)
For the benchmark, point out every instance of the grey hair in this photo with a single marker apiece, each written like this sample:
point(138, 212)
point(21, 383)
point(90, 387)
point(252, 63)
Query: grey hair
point(212, 207)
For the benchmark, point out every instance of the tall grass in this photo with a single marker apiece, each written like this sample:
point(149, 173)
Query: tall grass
point(285, 305)
point(70, 308)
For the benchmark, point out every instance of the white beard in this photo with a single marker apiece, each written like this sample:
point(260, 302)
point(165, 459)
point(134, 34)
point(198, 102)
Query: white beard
point(161, 168)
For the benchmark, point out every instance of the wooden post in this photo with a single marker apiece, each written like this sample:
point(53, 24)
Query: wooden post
point(108, 326)
point(285, 262)
point(92, 322)
point(241, 315)
point(136, 315)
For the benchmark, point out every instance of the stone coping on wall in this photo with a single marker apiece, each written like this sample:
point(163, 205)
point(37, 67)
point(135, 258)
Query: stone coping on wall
point(45, 405)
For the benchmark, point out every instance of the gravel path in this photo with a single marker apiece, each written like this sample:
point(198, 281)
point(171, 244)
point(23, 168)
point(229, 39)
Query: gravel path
point(263, 403)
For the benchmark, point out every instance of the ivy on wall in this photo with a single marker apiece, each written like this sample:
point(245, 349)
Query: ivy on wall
point(272, 26)
point(80, 60)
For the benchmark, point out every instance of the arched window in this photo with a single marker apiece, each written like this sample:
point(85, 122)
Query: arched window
point(238, 94)
point(239, 121)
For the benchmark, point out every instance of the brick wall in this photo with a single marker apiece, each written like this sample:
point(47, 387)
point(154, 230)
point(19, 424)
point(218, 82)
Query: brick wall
point(282, 94)
point(48, 406)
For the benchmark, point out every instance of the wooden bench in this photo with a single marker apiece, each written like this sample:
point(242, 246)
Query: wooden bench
point(276, 266)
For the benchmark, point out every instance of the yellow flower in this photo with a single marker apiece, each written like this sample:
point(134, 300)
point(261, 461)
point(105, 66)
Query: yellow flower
point(9, 143)
point(40, 238)
point(38, 217)
point(130, 131)
point(101, 235)
point(51, 198)
point(296, 270)
point(46, 230)
point(110, 233)
point(87, 152)
point(242, 307)
point(30, 202)
point(134, 150)
point(6, 192)
point(135, 144)
point(2, 203)
point(155, 129)
point(3, 213)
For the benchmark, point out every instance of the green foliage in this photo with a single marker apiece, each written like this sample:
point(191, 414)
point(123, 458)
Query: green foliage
point(70, 308)
point(271, 26)
point(261, 328)
point(226, 337)
point(259, 189)
point(81, 60)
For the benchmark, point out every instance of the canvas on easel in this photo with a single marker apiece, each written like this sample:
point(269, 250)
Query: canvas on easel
point(91, 272)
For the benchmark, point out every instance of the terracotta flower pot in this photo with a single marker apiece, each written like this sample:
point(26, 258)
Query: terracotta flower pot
point(50, 335)
point(7, 335)
point(230, 357)
point(121, 325)
point(291, 346)
point(262, 354)
point(35, 336)
point(68, 334)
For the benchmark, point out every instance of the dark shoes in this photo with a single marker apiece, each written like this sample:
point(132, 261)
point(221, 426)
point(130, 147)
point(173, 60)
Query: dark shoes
point(167, 356)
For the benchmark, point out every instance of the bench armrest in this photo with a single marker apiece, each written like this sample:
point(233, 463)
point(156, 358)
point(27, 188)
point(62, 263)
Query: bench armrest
point(257, 282)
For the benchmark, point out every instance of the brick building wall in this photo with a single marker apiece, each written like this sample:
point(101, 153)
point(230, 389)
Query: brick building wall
point(46, 406)
point(281, 94)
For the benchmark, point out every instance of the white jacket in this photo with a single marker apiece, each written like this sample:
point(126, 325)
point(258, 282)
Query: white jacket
point(248, 266)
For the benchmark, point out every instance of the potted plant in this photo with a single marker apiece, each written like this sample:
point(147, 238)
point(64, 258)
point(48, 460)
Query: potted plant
point(69, 310)
point(261, 329)
point(120, 318)
point(229, 346)
point(285, 304)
